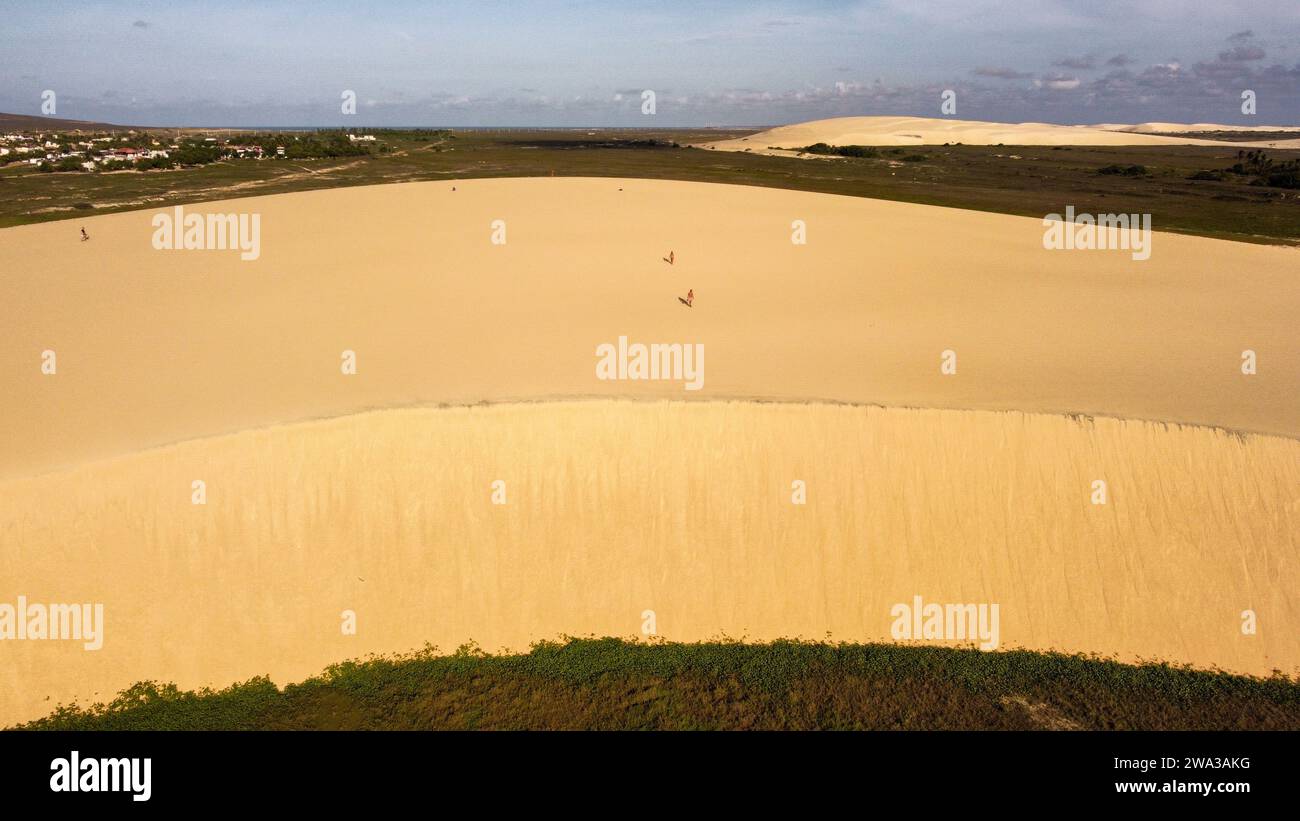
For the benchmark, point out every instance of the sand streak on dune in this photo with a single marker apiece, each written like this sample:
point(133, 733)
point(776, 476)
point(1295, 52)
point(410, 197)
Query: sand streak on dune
point(615, 507)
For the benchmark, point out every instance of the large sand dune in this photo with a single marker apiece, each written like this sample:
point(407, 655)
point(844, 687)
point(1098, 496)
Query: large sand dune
point(163, 346)
point(896, 131)
point(614, 508)
point(183, 365)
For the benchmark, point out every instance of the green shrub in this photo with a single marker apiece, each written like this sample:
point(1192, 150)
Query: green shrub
point(609, 683)
point(859, 151)
point(1124, 170)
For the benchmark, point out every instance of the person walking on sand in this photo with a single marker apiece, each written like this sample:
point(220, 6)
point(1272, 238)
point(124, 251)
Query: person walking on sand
point(669, 259)
point(688, 299)
point(84, 235)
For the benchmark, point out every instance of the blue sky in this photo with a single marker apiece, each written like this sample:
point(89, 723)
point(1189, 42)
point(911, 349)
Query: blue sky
point(710, 63)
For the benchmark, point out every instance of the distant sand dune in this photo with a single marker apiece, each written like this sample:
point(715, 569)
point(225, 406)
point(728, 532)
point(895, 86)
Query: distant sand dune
point(1188, 128)
point(896, 131)
point(617, 507)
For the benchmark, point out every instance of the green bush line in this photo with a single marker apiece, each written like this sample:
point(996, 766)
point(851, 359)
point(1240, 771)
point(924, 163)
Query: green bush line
point(861, 151)
point(616, 684)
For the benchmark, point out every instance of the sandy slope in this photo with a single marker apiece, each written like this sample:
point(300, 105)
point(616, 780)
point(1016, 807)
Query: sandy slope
point(163, 346)
point(620, 507)
point(884, 131)
point(613, 508)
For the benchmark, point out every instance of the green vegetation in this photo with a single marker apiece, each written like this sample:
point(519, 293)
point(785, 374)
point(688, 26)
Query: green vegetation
point(841, 150)
point(308, 146)
point(613, 684)
point(1126, 171)
point(1263, 170)
point(1288, 177)
point(581, 144)
point(1031, 182)
point(189, 153)
point(1235, 136)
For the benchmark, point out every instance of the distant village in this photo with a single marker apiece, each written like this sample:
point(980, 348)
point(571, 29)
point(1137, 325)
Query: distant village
point(146, 151)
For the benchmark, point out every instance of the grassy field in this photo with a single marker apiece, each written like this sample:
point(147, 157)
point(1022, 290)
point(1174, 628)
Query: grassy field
point(611, 684)
point(1029, 181)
